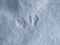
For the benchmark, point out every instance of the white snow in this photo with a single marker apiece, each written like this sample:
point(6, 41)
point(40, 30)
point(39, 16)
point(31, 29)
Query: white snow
point(29, 22)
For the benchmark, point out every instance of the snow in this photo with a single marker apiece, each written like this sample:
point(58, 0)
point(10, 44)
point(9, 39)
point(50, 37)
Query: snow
point(29, 22)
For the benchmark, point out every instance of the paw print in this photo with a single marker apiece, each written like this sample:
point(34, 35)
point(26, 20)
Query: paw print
point(21, 22)
point(33, 20)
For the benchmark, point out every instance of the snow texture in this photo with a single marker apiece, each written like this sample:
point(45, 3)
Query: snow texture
point(29, 22)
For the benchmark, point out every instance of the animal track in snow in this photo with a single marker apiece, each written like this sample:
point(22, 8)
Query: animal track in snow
point(21, 23)
point(36, 20)
point(33, 19)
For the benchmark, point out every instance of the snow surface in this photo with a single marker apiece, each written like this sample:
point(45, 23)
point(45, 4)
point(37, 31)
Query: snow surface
point(29, 22)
